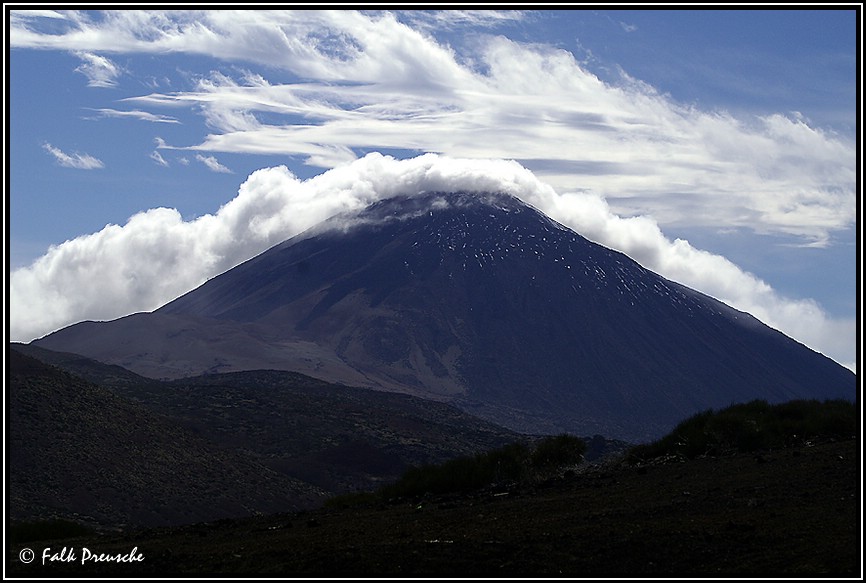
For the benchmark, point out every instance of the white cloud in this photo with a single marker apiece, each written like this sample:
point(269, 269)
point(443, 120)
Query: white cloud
point(435, 20)
point(137, 114)
point(157, 256)
point(373, 82)
point(25, 14)
point(157, 157)
point(75, 160)
point(99, 70)
point(212, 164)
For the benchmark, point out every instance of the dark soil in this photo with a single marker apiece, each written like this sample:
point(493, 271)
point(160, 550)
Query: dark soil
point(794, 513)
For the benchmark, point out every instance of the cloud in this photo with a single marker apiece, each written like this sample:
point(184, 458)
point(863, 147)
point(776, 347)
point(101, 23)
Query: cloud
point(76, 160)
point(212, 164)
point(435, 20)
point(157, 157)
point(99, 70)
point(26, 14)
point(137, 114)
point(373, 82)
point(157, 256)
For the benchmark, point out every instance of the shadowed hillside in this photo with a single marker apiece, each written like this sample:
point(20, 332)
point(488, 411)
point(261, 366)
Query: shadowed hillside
point(767, 490)
point(145, 452)
point(77, 450)
point(793, 512)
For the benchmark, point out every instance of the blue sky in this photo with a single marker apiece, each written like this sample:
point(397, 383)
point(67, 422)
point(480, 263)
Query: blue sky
point(716, 147)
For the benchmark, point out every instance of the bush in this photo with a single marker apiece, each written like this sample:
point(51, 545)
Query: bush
point(753, 426)
point(513, 463)
point(558, 451)
point(462, 474)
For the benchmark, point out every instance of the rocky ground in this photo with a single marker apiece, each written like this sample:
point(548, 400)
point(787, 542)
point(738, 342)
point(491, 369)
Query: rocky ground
point(791, 513)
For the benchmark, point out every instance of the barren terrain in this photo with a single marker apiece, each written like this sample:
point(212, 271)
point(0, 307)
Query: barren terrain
point(791, 512)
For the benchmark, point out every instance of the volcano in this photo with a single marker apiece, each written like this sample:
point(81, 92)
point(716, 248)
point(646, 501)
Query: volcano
point(480, 300)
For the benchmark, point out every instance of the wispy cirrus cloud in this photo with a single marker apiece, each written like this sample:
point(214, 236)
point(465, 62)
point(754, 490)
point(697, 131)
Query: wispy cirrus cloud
point(100, 71)
point(136, 114)
point(157, 157)
point(24, 15)
point(74, 160)
point(452, 19)
point(212, 164)
point(374, 82)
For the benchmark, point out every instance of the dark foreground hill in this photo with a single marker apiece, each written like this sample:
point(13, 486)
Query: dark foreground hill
point(481, 300)
point(77, 450)
point(794, 512)
point(138, 452)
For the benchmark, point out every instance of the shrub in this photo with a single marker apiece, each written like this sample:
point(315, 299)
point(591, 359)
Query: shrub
point(462, 474)
point(753, 426)
point(513, 463)
point(557, 451)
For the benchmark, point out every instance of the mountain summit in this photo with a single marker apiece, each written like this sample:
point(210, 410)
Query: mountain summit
point(481, 300)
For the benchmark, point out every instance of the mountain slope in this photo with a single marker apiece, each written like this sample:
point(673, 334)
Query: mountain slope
point(77, 450)
point(482, 300)
point(336, 438)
